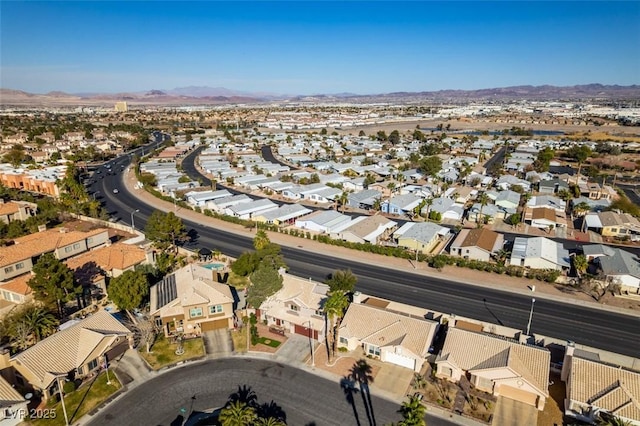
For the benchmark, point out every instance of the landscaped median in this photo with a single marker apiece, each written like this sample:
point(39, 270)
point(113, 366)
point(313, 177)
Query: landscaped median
point(165, 352)
point(79, 402)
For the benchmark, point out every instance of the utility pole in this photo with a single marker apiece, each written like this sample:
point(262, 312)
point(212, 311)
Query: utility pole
point(64, 408)
point(533, 301)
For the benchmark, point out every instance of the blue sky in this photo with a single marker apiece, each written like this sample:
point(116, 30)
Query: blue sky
point(316, 47)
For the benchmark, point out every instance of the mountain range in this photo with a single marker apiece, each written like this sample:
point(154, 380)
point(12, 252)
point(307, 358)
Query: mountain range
point(204, 95)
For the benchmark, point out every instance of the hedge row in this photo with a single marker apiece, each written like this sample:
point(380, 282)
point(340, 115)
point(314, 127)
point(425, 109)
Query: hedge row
point(441, 260)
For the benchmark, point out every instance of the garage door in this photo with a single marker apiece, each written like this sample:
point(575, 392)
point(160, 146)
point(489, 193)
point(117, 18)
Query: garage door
point(400, 360)
point(214, 325)
point(304, 331)
point(518, 395)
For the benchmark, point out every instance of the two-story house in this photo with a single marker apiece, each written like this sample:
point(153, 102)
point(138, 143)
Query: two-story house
point(191, 302)
point(15, 210)
point(297, 307)
point(22, 253)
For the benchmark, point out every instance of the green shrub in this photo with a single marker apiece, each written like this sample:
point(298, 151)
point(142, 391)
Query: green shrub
point(68, 387)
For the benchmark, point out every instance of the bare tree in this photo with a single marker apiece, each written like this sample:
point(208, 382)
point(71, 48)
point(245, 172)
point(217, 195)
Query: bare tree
point(148, 330)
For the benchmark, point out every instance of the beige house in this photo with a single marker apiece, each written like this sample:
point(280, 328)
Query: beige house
point(297, 307)
point(19, 257)
point(91, 268)
point(366, 229)
point(477, 244)
point(16, 291)
point(74, 352)
point(190, 302)
point(496, 365)
point(15, 210)
point(421, 236)
point(593, 387)
point(393, 337)
point(13, 406)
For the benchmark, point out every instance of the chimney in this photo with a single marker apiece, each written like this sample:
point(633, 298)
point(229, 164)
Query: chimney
point(42, 228)
point(357, 297)
point(566, 362)
point(63, 230)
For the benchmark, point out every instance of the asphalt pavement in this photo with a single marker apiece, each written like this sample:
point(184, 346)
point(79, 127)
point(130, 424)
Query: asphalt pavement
point(306, 398)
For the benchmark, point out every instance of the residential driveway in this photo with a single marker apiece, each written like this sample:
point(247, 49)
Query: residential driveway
point(130, 367)
point(296, 349)
point(217, 343)
point(393, 379)
point(510, 412)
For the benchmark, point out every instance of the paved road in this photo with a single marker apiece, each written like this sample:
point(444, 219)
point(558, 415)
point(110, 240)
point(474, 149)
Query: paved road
point(582, 324)
point(267, 154)
point(305, 398)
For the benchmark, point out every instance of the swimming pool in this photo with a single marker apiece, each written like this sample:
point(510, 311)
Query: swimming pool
point(214, 266)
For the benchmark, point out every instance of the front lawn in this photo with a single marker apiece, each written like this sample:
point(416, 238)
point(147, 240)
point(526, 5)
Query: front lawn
point(269, 342)
point(163, 352)
point(237, 281)
point(81, 401)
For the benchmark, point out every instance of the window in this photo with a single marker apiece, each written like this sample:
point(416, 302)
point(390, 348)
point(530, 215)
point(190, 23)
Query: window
point(343, 340)
point(93, 364)
point(374, 350)
point(89, 240)
point(215, 309)
point(294, 307)
point(195, 312)
point(19, 265)
point(67, 249)
point(76, 246)
point(614, 230)
point(8, 269)
point(6, 295)
point(80, 371)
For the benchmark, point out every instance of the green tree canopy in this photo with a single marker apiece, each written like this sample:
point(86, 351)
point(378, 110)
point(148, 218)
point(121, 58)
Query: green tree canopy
point(53, 283)
point(430, 166)
point(342, 280)
point(265, 281)
point(261, 240)
point(129, 290)
point(394, 137)
point(541, 164)
point(165, 229)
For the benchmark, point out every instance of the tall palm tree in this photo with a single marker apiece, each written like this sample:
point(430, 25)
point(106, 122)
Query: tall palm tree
point(581, 263)
point(334, 308)
point(361, 373)
point(42, 322)
point(244, 394)
point(261, 240)
point(483, 199)
point(237, 414)
point(272, 414)
point(342, 279)
point(428, 202)
point(377, 204)
point(343, 199)
point(607, 419)
point(412, 412)
point(270, 421)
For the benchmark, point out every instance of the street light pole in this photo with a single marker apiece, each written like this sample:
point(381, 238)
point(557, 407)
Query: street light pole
point(313, 352)
point(64, 408)
point(133, 226)
point(533, 301)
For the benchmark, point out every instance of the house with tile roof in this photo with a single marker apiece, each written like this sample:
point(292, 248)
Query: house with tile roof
point(593, 387)
point(545, 217)
point(13, 406)
point(394, 337)
point(74, 352)
point(494, 364)
point(19, 257)
point(92, 268)
point(191, 302)
point(15, 210)
point(477, 244)
point(297, 308)
point(15, 291)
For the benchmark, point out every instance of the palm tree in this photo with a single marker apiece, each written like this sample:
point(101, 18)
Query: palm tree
point(581, 208)
point(581, 264)
point(377, 204)
point(361, 373)
point(261, 240)
point(42, 322)
point(244, 394)
point(418, 381)
point(272, 414)
point(270, 421)
point(334, 308)
point(392, 187)
point(343, 199)
point(607, 419)
point(483, 199)
point(428, 202)
point(342, 279)
point(237, 414)
point(412, 412)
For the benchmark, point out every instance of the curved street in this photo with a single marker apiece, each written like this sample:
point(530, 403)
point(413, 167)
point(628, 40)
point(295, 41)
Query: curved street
point(307, 399)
